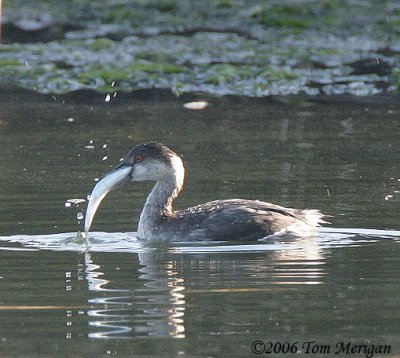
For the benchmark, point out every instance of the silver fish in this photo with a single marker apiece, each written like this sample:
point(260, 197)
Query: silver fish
point(101, 189)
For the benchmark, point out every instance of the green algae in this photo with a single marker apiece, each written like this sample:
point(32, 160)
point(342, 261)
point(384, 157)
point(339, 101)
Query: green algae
point(300, 15)
point(225, 72)
point(120, 13)
point(107, 75)
point(394, 78)
point(10, 62)
point(224, 4)
point(253, 48)
point(162, 5)
point(154, 67)
point(285, 16)
point(278, 74)
point(101, 44)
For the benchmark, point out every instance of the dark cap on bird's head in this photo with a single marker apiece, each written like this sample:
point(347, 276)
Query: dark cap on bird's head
point(152, 150)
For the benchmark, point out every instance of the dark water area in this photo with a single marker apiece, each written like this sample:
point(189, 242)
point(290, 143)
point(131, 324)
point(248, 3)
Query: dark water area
point(338, 156)
point(122, 297)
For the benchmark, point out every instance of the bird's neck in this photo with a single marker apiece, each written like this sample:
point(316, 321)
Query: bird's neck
point(158, 206)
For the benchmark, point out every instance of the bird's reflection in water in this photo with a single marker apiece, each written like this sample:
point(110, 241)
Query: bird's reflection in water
point(155, 309)
point(154, 303)
point(109, 314)
point(164, 294)
point(303, 266)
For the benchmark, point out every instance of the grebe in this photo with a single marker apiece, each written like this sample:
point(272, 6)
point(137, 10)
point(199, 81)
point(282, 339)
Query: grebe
point(234, 219)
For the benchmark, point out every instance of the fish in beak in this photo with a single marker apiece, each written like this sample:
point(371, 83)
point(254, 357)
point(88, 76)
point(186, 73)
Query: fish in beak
point(111, 181)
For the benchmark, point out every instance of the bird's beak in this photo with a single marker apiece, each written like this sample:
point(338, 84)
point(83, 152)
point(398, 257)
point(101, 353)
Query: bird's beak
point(111, 181)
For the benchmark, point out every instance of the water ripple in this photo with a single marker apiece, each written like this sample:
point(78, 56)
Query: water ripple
point(128, 242)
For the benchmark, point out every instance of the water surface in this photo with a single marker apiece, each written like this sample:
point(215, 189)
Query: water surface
point(120, 296)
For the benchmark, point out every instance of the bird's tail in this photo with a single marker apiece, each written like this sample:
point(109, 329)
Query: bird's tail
point(314, 217)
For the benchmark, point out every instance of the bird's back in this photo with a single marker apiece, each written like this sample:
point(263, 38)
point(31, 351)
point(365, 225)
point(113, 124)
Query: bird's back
point(240, 220)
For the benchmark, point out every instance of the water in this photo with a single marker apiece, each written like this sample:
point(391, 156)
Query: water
point(118, 296)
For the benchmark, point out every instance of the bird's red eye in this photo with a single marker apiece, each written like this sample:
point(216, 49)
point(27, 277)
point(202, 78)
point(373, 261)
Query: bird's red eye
point(138, 158)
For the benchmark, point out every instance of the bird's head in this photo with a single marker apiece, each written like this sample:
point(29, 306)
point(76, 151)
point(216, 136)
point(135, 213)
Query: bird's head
point(144, 162)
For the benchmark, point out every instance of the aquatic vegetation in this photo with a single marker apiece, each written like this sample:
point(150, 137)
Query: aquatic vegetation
point(108, 75)
point(395, 78)
point(252, 48)
point(225, 72)
point(285, 16)
point(155, 67)
point(301, 15)
point(119, 13)
point(10, 62)
point(161, 5)
point(101, 44)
